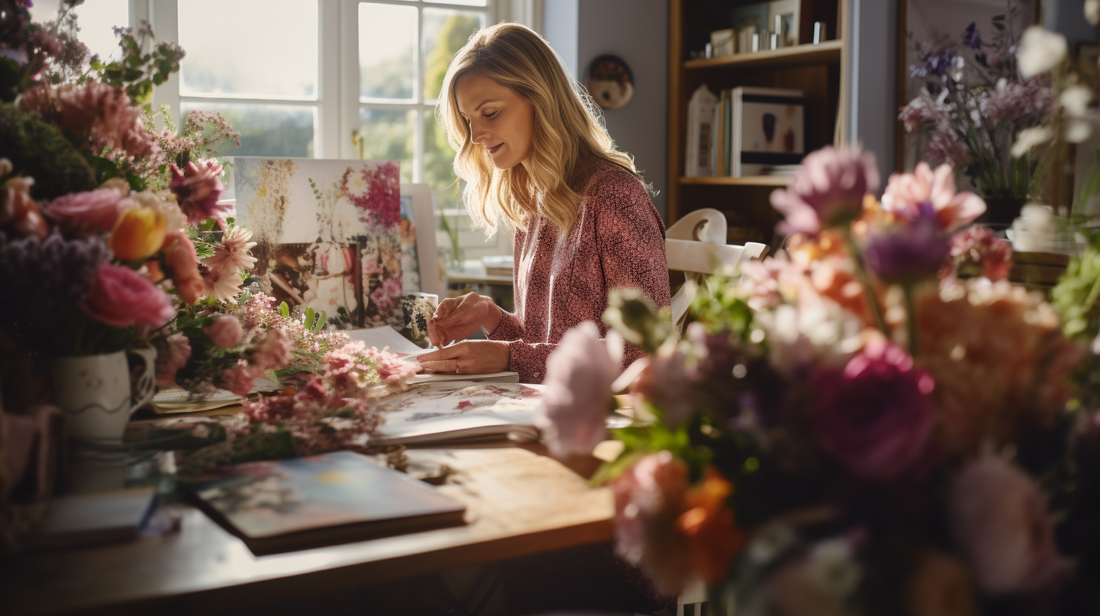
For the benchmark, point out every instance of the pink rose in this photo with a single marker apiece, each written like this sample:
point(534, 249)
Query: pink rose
point(122, 297)
point(649, 497)
point(225, 331)
point(579, 374)
point(198, 188)
point(87, 213)
point(875, 416)
point(1000, 523)
point(172, 359)
point(183, 266)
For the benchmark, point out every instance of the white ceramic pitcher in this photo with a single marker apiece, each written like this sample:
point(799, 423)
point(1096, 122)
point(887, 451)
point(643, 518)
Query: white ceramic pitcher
point(95, 392)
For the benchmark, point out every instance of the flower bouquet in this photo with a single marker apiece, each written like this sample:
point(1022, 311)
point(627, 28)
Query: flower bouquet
point(874, 423)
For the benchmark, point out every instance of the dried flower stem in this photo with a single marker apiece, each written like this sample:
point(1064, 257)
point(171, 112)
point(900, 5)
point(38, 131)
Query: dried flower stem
point(865, 280)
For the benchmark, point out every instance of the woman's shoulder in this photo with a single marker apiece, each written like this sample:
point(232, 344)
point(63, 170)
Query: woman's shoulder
point(608, 181)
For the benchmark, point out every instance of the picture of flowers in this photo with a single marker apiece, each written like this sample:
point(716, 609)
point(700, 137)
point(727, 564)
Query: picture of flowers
point(329, 234)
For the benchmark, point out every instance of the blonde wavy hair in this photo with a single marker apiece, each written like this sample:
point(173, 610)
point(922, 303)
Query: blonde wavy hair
point(568, 134)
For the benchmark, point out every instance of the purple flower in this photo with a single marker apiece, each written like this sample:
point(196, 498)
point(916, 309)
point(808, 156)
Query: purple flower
point(971, 37)
point(50, 277)
point(934, 60)
point(828, 191)
point(1021, 103)
point(875, 416)
point(1000, 522)
point(909, 253)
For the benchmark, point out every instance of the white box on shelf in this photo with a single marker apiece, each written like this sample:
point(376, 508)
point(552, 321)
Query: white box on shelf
point(699, 158)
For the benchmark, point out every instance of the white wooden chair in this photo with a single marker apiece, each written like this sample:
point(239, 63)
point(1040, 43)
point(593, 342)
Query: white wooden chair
point(696, 245)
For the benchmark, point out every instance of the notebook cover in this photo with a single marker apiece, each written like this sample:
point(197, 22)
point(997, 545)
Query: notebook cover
point(339, 497)
point(93, 519)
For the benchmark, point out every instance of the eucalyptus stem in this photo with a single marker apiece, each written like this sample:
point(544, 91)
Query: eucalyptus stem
point(865, 280)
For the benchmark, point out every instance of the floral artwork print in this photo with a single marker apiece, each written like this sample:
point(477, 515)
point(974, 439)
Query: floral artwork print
point(339, 223)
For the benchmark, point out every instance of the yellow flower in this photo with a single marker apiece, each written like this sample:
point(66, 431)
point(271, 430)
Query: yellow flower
point(138, 234)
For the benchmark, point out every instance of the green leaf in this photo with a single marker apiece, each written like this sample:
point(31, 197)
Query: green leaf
point(284, 310)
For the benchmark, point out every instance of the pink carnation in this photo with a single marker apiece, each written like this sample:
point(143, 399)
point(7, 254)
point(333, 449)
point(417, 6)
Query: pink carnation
point(239, 379)
point(87, 213)
point(225, 331)
point(274, 352)
point(198, 188)
point(827, 191)
point(578, 381)
point(122, 297)
point(912, 195)
point(172, 359)
point(1000, 522)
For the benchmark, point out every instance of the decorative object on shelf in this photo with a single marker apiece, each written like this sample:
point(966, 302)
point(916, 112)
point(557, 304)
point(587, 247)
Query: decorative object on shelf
point(748, 22)
point(97, 394)
point(699, 157)
point(859, 407)
point(783, 15)
point(767, 129)
point(610, 81)
point(971, 100)
point(723, 43)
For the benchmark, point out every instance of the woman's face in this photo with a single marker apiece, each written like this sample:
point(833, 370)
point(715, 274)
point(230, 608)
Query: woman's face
point(501, 121)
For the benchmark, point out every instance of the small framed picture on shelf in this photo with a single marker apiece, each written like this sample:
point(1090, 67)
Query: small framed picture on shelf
point(750, 21)
point(723, 42)
point(768, 131)
point(783, 18)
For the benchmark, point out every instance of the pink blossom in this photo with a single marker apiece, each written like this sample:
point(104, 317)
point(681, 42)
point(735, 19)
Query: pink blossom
point(907, 194)
point(976, 248)
point(172, 359)
point(183, 266)
point(874, 416)
point(649, 497)
point(222, 284)
point(579, 374)
point(828, 191)
point(103, 114)
point(87, 213)
point(387, 296)
point(198, 188)
point(240, 377)
point(224, 330)
point(122, 297)
point(274, 352)
point(999, 521)
point(234, 251)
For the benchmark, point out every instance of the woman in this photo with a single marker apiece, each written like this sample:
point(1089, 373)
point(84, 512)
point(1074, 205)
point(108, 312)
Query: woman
point(535, 157)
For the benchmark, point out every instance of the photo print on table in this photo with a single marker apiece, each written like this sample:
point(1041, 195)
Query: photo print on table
point(329, 233)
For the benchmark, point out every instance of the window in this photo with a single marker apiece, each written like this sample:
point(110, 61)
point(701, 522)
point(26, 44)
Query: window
point(96, 25)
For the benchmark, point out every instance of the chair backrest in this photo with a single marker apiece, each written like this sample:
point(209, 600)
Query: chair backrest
point(696, 245)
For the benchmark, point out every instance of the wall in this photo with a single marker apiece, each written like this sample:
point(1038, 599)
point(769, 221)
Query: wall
point(636, 31)
point(873, 62)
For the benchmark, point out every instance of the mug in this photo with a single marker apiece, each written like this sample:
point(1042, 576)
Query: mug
point(95, 393)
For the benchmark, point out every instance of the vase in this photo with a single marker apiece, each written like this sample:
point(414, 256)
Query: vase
point(96, 394)
point(1002, 210)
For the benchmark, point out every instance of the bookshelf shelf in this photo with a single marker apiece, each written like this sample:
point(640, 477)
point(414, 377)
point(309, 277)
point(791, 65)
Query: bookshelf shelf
point(758, 180)
point(822, 53)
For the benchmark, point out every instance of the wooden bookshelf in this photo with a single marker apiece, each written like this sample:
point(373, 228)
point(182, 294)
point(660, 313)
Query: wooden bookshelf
point(818, 71)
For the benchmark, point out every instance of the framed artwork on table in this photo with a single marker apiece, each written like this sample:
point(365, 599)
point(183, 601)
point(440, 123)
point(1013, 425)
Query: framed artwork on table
point(417, 210)
point(328, 233)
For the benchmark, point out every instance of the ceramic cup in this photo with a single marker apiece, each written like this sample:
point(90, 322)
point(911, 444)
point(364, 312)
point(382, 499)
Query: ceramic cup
point(96, 394)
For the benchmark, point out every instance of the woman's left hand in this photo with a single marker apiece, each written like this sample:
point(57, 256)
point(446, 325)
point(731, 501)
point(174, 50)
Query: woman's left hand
point(470, 357)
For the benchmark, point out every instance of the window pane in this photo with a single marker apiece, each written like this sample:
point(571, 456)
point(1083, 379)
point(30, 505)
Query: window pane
point(387, 51)
point(252, 48)
point(445, 32)
point(466, 2)
point(96, 25)
point(266, 130)
point(388, 135)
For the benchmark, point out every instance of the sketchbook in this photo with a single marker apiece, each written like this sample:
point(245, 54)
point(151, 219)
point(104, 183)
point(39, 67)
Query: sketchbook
point(339, 497)
point(454, 412)
point(387, 338)
point(93, 519)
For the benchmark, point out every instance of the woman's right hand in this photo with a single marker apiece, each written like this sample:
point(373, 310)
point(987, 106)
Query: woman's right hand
point(458, 318)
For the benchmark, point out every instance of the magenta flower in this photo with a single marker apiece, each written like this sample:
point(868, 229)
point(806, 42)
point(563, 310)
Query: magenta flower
point(828, 191)
point(579, 374)
point(874, 416)
point(999, 521)
point(198, 188)
point(122, 297)
point(908, 253)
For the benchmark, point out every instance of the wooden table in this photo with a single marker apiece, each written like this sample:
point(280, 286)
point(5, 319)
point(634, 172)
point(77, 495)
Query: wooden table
point(518, 503)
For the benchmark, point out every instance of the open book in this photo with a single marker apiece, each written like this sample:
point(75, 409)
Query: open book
point(386, 337)
point(339, 497)
point(459, 412)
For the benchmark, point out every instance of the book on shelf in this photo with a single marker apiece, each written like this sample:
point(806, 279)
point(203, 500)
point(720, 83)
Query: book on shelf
point(754, 132)
point(459, 412)
point(300, 503)
point(94, 519)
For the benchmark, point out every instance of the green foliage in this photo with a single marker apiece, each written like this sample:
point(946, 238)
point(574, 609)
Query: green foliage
point(720, 308)
point(1077, 294)
point(137, 72)
point(284, 310)
point(454, 33)
point(634, 316)
point(314, 321)
point(39, 150)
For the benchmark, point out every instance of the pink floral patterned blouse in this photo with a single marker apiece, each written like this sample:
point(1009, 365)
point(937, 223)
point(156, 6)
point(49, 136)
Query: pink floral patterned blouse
point(617, 241)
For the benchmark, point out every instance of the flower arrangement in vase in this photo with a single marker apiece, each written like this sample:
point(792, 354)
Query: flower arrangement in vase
point(875, 422)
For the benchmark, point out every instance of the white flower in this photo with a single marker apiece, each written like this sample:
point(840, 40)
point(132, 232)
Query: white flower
point(1029, 139)
point(1075, 99)
point(1040, 51)
point(1092, 11)
point(1077, 130)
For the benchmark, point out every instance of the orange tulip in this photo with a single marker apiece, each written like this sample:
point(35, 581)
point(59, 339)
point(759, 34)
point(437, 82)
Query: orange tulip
point(712, 534)
point(138, 234)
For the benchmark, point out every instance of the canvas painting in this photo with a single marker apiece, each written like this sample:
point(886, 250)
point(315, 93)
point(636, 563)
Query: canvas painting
point(459, 397)
point(329, 233)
